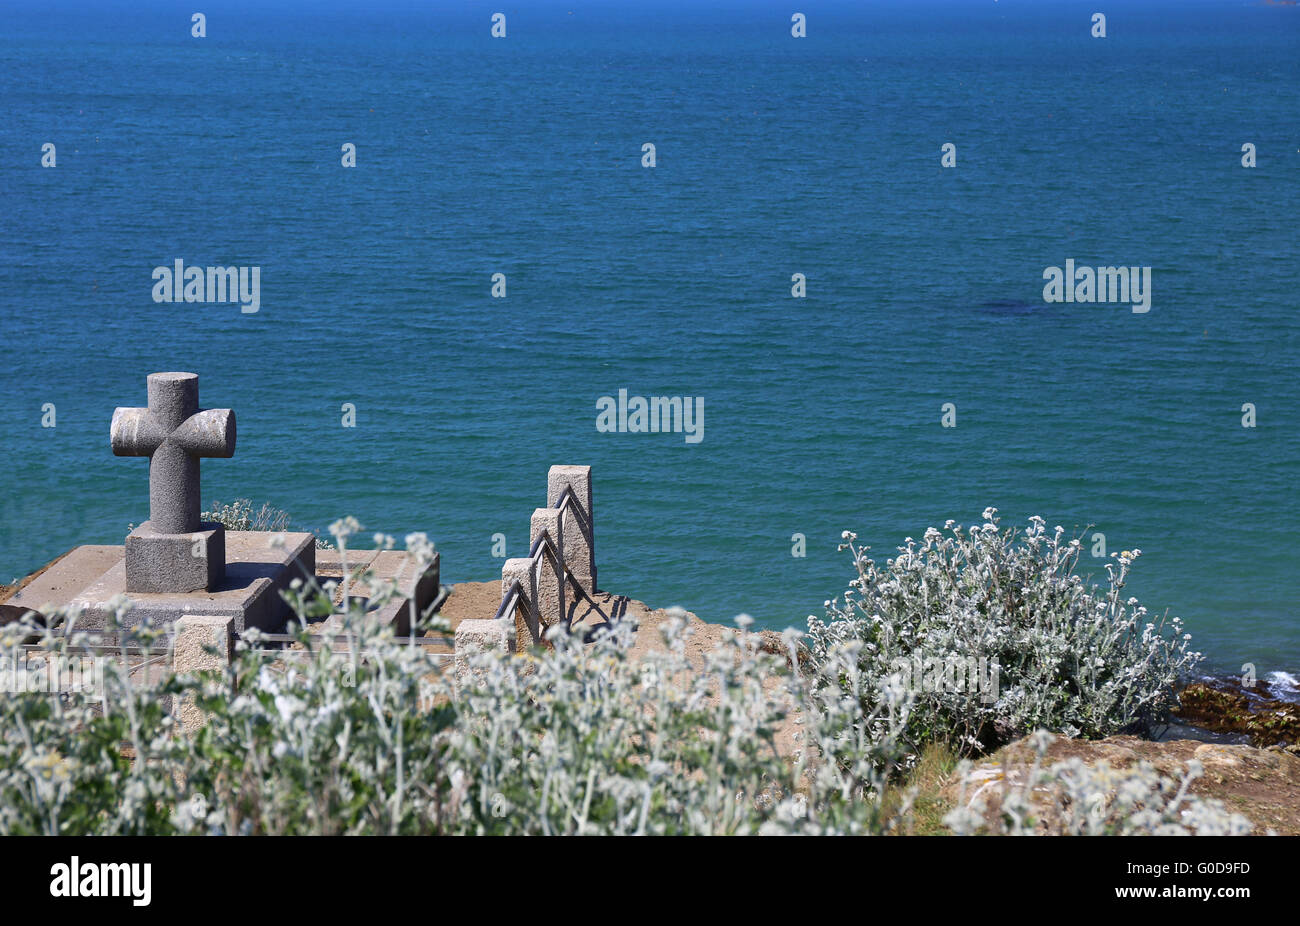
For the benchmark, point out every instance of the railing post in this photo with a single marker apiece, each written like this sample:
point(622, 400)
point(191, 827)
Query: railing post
point(527, 623)
point(550, 581)
point(579, 525)
point(195, 634)
point(475, 636)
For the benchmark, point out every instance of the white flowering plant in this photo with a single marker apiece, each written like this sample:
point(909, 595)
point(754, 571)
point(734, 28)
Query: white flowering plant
point(98, 759)
point(1054, 651)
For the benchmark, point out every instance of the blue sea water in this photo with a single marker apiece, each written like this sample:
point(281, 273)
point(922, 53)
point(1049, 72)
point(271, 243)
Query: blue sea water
point(775, 156)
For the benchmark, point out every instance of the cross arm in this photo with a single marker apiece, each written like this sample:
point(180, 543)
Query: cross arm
point(209, 433)
point(135, 433)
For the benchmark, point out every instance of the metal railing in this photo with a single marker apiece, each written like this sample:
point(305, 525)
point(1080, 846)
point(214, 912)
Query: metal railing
point(543, 544)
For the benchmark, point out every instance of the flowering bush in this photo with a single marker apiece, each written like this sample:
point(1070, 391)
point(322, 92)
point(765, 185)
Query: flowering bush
point(97, 760)
point(995, 635)
point(239, 515)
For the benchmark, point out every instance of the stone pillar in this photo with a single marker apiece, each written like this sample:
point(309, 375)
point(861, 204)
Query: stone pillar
point(525, 617)
point(550, 576)
point(579, 522)
point(479, 637)
point(196, 635)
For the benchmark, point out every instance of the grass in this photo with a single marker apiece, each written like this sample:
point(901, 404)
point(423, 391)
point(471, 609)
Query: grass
point(934, 770)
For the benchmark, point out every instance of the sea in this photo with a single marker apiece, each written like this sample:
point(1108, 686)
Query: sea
point(863, 327)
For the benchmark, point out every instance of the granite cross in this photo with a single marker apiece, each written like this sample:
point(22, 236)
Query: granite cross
point(174, 433)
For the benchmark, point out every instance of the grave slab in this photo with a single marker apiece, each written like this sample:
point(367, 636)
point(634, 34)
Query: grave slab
point(401, 567)
point(395, 565)
point(256, 572)
point(60, 583)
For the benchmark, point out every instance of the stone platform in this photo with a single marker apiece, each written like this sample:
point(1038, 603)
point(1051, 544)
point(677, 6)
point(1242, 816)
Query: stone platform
point(256, 572)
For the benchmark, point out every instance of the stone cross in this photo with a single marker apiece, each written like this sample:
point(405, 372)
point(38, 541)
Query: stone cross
point(173, 433)
point(173, 551)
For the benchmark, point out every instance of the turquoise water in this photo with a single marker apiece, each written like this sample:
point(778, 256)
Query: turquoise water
point(775, 156)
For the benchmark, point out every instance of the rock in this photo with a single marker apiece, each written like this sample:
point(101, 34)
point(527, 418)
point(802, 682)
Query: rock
point(1227, 706)
point(1261, 784)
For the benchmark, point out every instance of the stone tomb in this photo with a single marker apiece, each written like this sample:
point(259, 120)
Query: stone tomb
point(174, 564)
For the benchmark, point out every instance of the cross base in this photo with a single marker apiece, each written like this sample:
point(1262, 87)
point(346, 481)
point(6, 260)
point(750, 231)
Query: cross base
point(158, 563)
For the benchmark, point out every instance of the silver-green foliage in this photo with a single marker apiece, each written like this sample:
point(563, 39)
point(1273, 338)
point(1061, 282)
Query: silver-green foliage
point(240, 515)
point(1062, 654)
point(383, 737)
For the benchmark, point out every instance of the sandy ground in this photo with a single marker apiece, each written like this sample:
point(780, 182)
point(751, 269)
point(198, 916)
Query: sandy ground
point(480, 600)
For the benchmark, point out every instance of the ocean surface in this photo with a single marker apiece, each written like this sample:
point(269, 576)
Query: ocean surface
point(774, 156)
